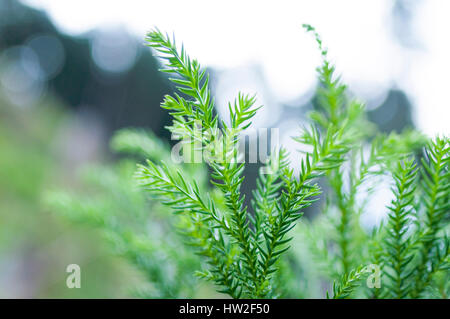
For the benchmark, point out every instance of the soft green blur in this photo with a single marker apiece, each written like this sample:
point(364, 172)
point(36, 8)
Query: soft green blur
point(36, 246)
point(56, 211)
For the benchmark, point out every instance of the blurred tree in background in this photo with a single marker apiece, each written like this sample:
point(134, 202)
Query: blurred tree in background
point(108, 74)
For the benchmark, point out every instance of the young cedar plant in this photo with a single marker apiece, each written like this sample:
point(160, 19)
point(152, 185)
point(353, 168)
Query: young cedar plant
point(245, 250)
point(242, 248)
point(243, 245)
point(412, 246)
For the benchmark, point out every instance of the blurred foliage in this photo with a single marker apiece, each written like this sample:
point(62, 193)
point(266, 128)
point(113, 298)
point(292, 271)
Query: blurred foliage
point(142, 231)
point(35, 246)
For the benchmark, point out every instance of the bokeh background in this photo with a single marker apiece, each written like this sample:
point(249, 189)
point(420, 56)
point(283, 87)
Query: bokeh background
point(74, 72)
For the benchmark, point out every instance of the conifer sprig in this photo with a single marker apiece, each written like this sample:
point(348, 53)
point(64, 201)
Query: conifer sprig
point(222, 146)
point(191, 80)
point(347, 284)
point(398, 253)
point(435, 186)
point(339, 116)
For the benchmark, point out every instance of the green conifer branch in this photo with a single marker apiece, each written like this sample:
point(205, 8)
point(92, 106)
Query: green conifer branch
point(435, 185)
point(223, 148)
point(347, 284)
point(398, 255)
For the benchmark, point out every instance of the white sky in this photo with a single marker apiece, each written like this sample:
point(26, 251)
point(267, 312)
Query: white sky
point(232, 33)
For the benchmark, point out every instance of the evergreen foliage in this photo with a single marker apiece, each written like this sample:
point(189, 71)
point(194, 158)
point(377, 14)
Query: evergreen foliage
point(245, 251)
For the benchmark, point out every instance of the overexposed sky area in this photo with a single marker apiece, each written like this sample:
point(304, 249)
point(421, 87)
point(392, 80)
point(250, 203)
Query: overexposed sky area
point(232, 34)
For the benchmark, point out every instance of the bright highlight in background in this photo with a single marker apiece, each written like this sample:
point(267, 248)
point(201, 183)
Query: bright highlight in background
point(233, 34)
